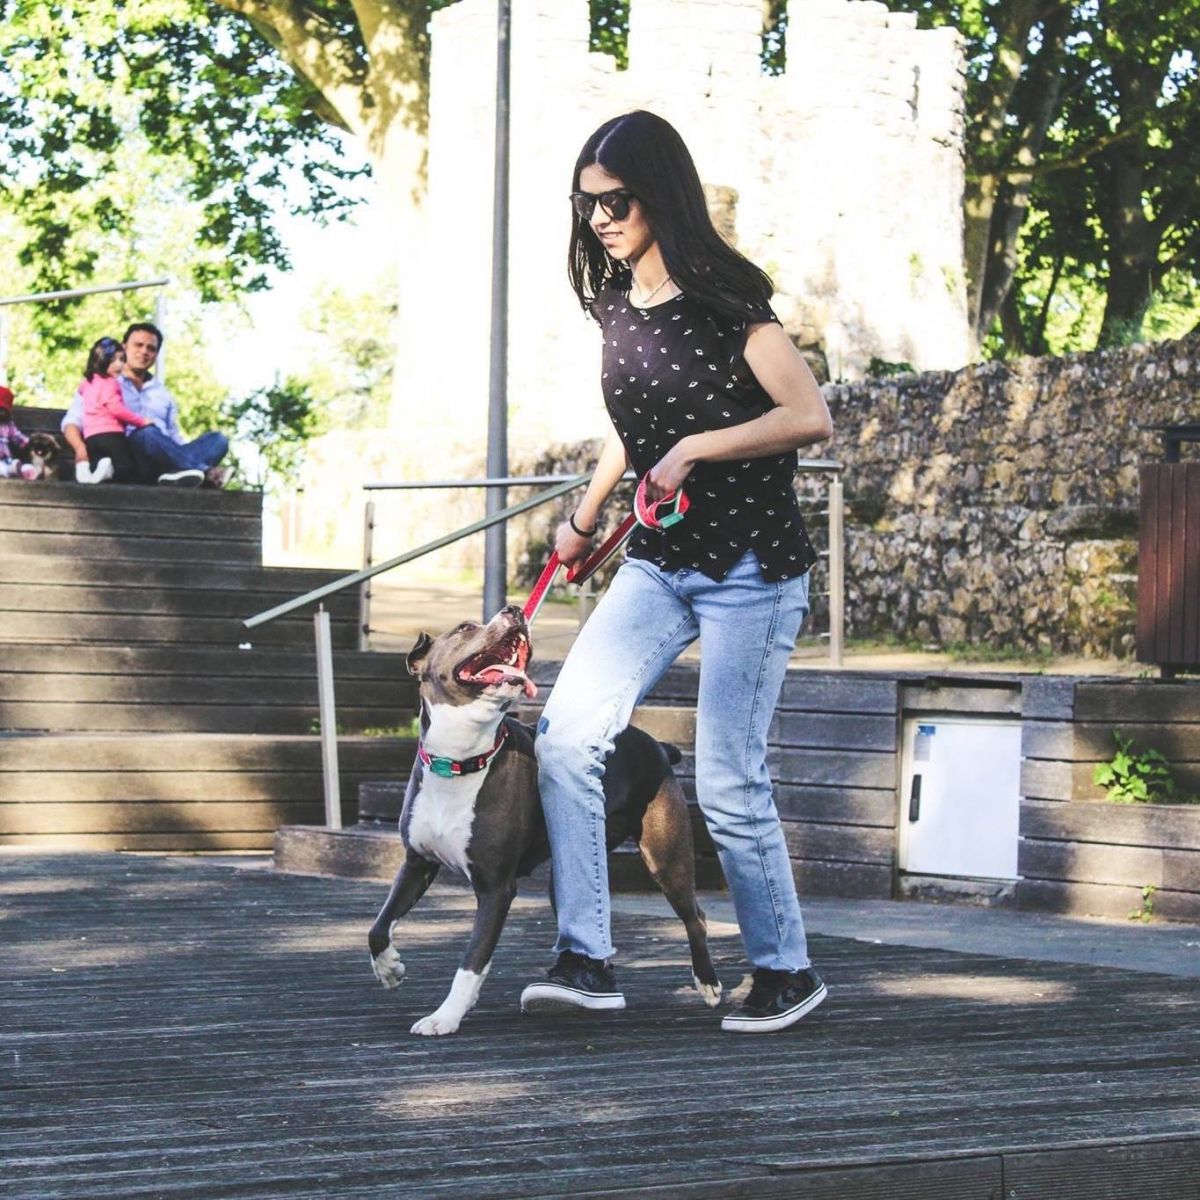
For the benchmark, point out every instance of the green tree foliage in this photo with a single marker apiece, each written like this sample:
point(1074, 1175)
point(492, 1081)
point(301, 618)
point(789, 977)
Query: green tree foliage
point(101, 102)
point(268, 430)
point(1082, 212)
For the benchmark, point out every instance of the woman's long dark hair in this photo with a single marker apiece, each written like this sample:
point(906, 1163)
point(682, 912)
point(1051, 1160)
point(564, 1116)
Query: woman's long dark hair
point(100, 356)
point(649, 157)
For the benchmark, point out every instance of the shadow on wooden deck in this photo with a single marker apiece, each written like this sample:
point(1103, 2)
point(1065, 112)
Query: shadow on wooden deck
point(172, 1028)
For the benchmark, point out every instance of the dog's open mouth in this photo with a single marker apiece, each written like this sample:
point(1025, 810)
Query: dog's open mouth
point(500, 664)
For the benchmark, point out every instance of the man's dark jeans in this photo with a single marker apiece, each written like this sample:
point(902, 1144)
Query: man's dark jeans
point(156, 454)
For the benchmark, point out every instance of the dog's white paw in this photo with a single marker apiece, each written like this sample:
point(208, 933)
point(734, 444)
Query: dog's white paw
point(709, 993)
point(388, 968)
point(437, 1024)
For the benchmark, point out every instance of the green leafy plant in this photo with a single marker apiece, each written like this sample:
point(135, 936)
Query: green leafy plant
point(1130, 777)
point(1145, 911)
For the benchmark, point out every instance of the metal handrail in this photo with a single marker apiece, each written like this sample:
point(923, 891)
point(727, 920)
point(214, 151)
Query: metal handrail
point(324, 642)
point(358, 577)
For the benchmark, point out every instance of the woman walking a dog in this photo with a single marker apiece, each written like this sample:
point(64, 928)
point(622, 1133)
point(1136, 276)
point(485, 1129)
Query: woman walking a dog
point(706, 392)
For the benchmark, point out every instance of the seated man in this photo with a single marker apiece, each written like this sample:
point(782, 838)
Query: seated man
point(159, 449)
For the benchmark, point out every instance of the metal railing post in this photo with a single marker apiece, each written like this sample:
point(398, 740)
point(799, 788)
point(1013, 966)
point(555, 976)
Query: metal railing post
point(364, 591)
point(328, 714)
point(837, 573)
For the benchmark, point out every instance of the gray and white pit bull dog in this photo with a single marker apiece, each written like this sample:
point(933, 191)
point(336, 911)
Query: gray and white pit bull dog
point(472, 804)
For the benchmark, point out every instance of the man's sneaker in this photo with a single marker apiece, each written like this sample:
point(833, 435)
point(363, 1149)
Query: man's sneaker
point(103, 471)
point(776, 1000)
point(192, 477)
point(574, 982)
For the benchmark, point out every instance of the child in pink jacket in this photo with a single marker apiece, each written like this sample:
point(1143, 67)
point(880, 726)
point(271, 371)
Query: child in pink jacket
point(105, 415)
point(11, 441)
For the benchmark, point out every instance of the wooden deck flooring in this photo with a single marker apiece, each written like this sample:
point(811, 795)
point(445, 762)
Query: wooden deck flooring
point(171, 1028)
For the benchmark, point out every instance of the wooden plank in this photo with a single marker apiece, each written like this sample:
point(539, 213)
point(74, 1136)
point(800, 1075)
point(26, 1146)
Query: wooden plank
point(158, 817)
point(1166, 1170)
point(1163, 584)
point(840, 843)
point(127, 497)
point(133, 787)
point(1191, 569)
point(126, 548)
point(1137, 701)
point(188, 752)
point(1054, 740)
point(1169, 826)
point(1089, 862)
point(1100, 900)
point(857, 769)
point(829, 692)
point(837, 805)
point(853, 881)
point(198, 661)
point(834, 731)
point(1047, 698)
point(175, 842)
point(192, 602)
point(1047, 780)
point(162, 1048)
point(246, 718)
point(67, 688)
point(181, 631)
point(147, 522)
point(1147, 602)
point(961, 698)
point(1178, 552)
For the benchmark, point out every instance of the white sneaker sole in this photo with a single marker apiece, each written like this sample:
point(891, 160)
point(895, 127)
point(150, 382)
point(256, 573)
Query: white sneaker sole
point(736, 1024)
point(557, 998)
point(188, 479)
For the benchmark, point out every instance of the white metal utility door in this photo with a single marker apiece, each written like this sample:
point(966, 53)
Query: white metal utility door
point(960, 801)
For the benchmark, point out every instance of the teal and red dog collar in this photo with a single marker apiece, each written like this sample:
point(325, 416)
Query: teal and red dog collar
point(448, 768)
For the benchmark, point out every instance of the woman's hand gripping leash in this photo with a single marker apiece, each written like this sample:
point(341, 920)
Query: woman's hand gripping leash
point(660, 513)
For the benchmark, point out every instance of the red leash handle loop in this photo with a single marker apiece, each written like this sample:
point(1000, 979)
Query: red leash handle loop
point(645, 513)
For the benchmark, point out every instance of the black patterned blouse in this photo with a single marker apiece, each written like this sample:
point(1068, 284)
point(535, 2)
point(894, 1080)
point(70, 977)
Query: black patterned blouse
point(678, 368)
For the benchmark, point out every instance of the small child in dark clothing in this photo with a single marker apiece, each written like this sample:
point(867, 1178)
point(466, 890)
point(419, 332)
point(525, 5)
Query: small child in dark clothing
point(12, 440)
point(105, 415)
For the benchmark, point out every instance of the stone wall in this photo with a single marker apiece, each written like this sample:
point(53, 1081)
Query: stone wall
point(997, 505)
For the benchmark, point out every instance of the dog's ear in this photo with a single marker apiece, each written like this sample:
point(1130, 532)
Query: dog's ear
point(416, 656)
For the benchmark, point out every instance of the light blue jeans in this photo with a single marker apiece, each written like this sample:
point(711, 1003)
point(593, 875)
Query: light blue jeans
point(747, 628)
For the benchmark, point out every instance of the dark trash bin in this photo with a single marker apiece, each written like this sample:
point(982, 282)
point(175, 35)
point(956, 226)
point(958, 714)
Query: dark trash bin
point(1168, 605)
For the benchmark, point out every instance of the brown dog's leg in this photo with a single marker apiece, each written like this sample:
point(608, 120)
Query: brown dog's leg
point(493, 905)
point(666, 846)
point(410, 885)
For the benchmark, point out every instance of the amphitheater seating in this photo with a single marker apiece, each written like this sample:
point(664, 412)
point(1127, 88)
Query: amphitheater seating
point(135, 710)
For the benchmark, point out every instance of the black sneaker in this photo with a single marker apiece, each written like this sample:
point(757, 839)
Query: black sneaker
point(574, 982)
point(776, 1000)
point(192, 477)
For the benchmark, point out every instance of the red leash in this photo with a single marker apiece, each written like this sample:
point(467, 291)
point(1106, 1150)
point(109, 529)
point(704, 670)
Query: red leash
point(644, 513)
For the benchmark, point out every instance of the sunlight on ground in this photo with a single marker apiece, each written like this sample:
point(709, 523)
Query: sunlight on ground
point(992, 989)
point(457, 1095)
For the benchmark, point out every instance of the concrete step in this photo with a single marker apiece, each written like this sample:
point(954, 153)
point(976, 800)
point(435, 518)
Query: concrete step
point(48, 598)
point(109, 689)
point(121, 523)
point(31, 419)
point(172, 791)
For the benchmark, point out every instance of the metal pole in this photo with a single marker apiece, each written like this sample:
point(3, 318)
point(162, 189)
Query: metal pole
point(75, 293)
point(495, 568)
point(364, 591)
point(160, 319)
point(837, 573)
point(329, 751)
point(3, 349)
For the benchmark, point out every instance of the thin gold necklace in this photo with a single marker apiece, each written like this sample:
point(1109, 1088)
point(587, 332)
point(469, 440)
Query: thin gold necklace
point(646, 299)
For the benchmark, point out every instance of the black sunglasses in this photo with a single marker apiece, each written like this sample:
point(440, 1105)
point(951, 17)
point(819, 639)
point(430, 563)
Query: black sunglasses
point(616, 203)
